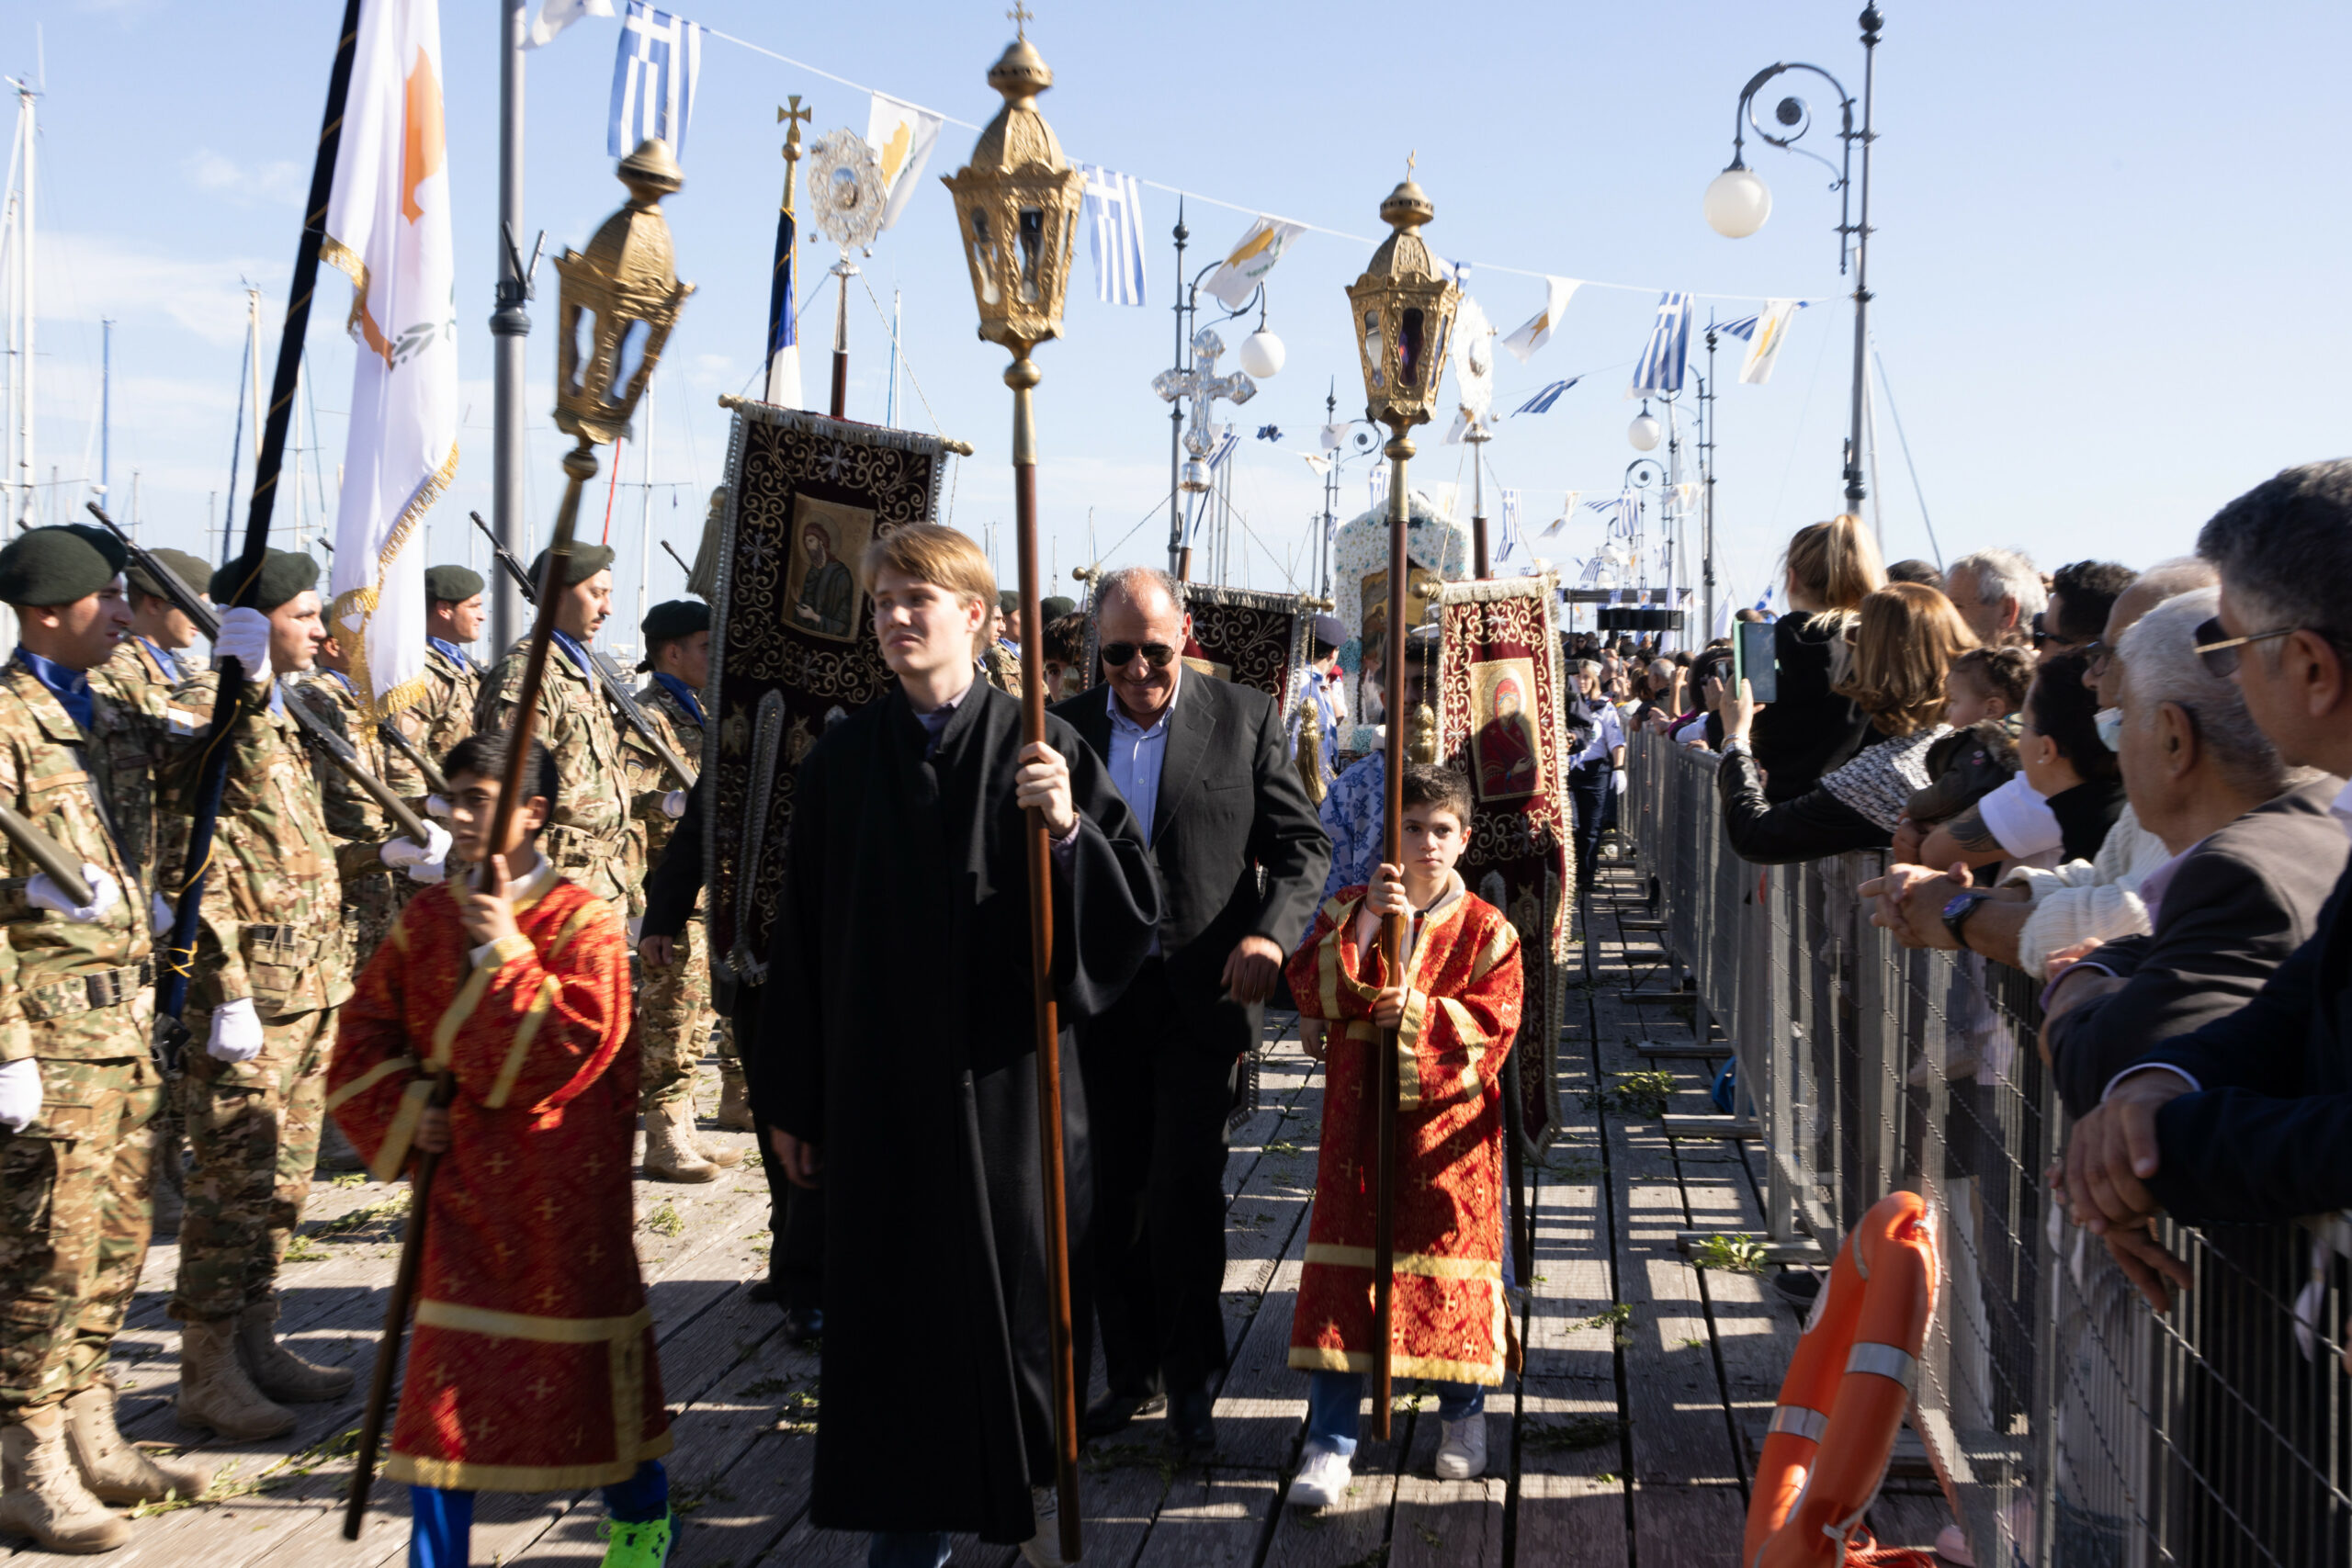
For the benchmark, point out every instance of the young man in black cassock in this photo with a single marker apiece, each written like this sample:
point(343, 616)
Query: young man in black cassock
point(898, 1045)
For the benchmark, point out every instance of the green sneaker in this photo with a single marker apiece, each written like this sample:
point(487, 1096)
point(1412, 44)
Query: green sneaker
point(643, 1545)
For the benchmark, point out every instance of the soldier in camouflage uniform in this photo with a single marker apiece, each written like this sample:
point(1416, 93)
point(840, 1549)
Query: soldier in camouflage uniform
point(78, 1084)
point(273, 962)
point(674, 1013)
point(453, 617)
point(370, 903)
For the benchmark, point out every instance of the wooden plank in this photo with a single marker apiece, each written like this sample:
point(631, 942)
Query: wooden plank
point(1571, 1511)
point(1453, 1522)
point(1212, 1518)
point(1687, 1526)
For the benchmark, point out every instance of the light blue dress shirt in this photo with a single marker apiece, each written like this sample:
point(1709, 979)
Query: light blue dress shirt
point(1136, 756)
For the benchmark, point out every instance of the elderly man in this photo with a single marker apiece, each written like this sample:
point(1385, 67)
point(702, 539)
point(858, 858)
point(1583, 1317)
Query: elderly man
point(2254, 854)
point(1998, 593)
point(1205, 766)
point(2247, 1118)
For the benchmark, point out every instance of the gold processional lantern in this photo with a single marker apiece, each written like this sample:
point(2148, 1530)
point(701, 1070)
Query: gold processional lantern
point(1016, 215)
point(619, 299)
point(1403, 308)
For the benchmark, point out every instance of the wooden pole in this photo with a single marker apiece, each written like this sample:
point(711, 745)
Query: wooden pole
point(1023, 378)
point(579, 467)
point(1392, 942)
point(840, 343)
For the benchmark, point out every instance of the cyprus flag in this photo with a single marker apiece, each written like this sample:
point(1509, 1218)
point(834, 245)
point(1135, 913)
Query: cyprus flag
point(902, 137)
point(388, 226)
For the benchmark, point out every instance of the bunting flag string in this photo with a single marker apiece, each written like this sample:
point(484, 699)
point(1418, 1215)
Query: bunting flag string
point(1668, 351)
point(1113, 215)
point(1543, 400)
point(654, 80)
point(1568, 510)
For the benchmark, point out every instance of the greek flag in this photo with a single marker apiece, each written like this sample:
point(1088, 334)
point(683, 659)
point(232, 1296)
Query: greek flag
point(1510, 527)
point(1542, 401)
point(1113, 213)
point(1668, 350)
point(1226, 442)
point(654, 80)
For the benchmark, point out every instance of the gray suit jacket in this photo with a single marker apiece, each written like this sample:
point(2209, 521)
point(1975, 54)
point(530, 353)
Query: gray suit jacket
point(2238, 904)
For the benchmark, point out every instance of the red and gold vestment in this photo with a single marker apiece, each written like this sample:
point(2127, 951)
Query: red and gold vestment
point(531, 1363)
point(1446, 1305)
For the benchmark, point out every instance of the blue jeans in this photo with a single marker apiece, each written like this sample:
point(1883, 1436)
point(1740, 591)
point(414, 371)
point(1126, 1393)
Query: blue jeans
point(442, 1530)
point(1335, 1407)
point(907, 1549)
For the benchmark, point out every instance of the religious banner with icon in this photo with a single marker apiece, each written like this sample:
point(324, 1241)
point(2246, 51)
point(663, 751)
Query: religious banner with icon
point(792, 646)
point(1500, 722)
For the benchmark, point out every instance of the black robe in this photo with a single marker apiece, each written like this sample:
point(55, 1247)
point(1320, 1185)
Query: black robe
point(897, 1033)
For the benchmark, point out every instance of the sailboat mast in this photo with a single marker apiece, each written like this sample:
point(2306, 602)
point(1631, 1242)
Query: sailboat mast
point(645, 511)
point(105, 407)
point(26, 132)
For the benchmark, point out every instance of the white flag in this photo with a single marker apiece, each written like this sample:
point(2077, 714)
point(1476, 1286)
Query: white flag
point(1248, 263)
point(1568, 510)
point(1771, 330)
point(1317, 461)
point(1538, 328)
point(1474, 368)
point(902, 137)
point(388, 226)
point(557, 14)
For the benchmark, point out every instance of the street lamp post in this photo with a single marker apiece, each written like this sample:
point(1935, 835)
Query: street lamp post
point(1403, 309)
point(1016, 212)
point(1737, 202)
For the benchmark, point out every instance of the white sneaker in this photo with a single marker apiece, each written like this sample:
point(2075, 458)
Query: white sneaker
point(1323, 1478)
point(1043, 1550)
point(1463, 1451)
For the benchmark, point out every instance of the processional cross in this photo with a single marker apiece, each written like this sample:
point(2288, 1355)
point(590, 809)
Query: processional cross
point(1202, 386)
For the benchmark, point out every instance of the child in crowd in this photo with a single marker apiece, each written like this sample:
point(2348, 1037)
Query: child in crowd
point(1453, 1011)
point(1986, 688)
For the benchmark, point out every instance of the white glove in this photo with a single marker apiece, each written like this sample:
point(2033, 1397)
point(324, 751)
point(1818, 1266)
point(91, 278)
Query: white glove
point(436, 805)
point(236, 1032)
point(105, 894)
point(19, 1094)
point(244, 636)
point(674, 805)
point(1621, 783)
point(160, 911)
point(423, 864)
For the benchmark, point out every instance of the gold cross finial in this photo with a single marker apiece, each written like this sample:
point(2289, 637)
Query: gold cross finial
point(1021, 16)
point(796, 116)
point(1410, 159)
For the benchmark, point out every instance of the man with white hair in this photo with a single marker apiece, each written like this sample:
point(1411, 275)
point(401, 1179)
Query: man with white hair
point(1998, 593)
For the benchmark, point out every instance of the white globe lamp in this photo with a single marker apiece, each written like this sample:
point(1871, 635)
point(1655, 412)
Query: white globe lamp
point(1643, 432)
point(1737, 202)
point(1262, 354)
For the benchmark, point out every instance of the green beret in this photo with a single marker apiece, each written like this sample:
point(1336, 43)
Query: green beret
point(676, 618)
point(587, 561)
point(194, 571)
point(52, 566)
point(1055, 608)
point(452, 584)
point(1009, 601)
point(106, 542)
point(286, 575)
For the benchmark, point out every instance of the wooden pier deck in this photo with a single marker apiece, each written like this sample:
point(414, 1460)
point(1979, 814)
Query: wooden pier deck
point(1625, 1442)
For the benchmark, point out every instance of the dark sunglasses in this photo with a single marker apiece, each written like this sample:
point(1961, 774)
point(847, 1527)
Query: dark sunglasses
point(2042, 633)
point(1118, 655)
point(2219, 651)
point(2097, 657)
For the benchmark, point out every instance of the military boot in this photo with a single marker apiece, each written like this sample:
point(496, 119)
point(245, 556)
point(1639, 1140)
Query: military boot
point(734, 1097)
point(116, 1471)
point(42, 1496)
point(279, 1372)
point(725, 1156)
point(671, 1153)
point(215, 1393)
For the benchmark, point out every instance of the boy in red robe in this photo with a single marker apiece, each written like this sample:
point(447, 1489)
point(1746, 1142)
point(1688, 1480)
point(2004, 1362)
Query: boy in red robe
point(1455, 1011)
point(531, 1366)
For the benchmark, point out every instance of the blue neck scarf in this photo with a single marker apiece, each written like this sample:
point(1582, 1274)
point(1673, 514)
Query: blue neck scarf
point(71, 687)
point(684, 693)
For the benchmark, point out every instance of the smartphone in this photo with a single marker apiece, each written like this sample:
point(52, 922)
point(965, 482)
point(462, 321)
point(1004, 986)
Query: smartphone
point(1754, 661)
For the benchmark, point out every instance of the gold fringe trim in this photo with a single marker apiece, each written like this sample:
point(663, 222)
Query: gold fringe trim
point(415, 689)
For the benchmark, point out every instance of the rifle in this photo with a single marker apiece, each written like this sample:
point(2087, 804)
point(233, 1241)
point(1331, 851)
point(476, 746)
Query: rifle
point(46, 852)
point(679, 559)
point(322, 740)
point(608, 675)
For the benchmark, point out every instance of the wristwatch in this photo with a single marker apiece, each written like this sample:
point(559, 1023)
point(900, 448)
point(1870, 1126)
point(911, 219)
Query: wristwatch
point(1958, 907)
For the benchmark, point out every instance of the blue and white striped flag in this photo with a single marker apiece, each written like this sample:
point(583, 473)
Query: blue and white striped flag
point(1668, 350)
point(1113, 213)
point(1226, 442)
point(1511, 539)
point(654, 80)
point(1542, 401)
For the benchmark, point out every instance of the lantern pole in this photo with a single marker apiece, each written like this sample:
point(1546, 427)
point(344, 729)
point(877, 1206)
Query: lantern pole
point(1392, 937)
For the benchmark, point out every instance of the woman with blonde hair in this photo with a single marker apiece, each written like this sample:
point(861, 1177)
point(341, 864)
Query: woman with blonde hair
point(1902, 640)
point(1810, 728)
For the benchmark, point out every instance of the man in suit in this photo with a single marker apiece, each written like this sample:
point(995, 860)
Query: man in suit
point(1205, 766)
point(2254, 855)
point(2247, 1118)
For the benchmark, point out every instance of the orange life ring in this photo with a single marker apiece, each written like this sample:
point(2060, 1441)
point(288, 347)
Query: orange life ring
point(1844, 1397)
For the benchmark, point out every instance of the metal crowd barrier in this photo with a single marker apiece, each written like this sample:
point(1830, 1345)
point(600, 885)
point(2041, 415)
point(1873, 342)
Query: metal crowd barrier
point(2070, 1425)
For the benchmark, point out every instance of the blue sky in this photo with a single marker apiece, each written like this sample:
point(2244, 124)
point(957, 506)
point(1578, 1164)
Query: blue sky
point(2098, 238)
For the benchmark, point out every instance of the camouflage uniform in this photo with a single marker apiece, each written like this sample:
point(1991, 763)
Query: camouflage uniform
point(273, 932)
point(674, 1007)
point(1002, 668)
point(79, 998)
point(446, 714)
point(590, 838)
point(371, 902)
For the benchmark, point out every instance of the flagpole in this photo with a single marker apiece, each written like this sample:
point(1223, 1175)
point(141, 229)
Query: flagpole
point(510, 327)
point(1707, 477)
point(1176, 416)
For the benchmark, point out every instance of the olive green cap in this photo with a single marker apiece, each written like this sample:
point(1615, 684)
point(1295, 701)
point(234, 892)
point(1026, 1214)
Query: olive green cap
point(452, 584)
point(285, 575)
point(587, 561)
point(194, 571)
point(52, 566)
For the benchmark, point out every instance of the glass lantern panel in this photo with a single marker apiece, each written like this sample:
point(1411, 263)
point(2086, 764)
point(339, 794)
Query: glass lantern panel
point(1032, 245)
point(1373, 345)
point(583, 345)
point(984, 257)
point(1409, 349)
point(627, 355)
